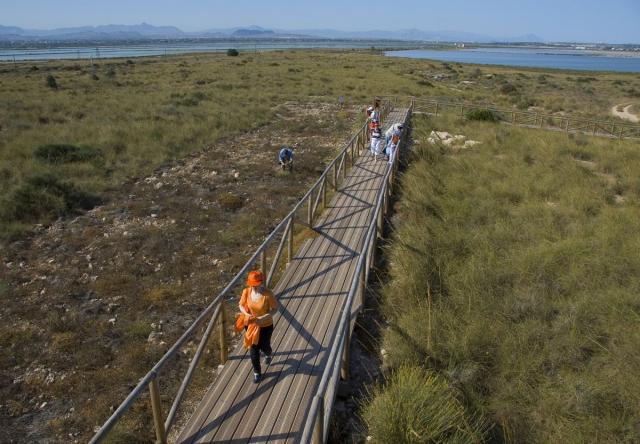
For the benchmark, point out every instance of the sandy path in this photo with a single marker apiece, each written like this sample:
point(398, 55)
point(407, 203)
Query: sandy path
point(625, 114)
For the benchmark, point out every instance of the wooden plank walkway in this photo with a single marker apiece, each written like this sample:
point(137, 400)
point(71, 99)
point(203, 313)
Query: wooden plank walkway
point(311, 293)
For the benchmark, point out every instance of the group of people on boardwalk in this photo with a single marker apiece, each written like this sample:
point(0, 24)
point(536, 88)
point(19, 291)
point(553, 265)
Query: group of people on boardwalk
point(391, 136)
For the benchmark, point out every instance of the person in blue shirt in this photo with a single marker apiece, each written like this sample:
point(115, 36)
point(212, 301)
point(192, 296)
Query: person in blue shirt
point(285, 158)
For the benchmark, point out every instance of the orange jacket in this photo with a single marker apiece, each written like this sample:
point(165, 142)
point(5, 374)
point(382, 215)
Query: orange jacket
point(265, 304)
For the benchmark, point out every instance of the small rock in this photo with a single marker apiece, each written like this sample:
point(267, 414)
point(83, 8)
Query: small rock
point(158, 185)
point(155, 337)
point(112, 321)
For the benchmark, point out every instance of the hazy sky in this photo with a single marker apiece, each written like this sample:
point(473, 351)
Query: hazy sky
point(558, 20)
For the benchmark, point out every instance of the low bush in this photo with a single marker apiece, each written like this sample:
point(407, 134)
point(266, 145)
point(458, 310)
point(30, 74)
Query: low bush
point(230, 202)
point(484, 115)
point(508, 88)
point(64, 153)
point(232, 52)
point(51, 82)
point(417, 406)
point(45, 196)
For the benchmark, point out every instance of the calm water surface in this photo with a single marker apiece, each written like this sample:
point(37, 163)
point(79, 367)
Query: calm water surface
point(529, 57)
point(160, 49)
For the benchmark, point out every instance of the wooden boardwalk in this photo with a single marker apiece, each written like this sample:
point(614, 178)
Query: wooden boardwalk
point(311, 293)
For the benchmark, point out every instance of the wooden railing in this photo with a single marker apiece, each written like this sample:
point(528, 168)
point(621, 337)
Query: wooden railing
point(530, 119)
point(318, 418)
point(267, 258)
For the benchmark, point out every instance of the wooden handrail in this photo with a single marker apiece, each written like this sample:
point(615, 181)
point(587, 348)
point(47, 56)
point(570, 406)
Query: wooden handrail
point(595, 127)
point(317, 421)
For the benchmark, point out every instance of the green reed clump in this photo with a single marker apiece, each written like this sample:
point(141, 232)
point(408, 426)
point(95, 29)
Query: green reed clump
point(515, 275)
point(418, 406)
point(483, 115)
point(65, 153)
point(45, 196)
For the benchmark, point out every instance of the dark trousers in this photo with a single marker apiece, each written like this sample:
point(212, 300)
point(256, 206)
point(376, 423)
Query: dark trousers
point(264, 345)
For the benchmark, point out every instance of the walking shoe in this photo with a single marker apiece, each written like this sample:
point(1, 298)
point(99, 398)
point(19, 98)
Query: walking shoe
point(256, 378)
point(267, 359)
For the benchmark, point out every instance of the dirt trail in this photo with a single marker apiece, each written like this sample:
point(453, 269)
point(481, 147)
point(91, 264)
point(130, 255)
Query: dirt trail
point(626, 113)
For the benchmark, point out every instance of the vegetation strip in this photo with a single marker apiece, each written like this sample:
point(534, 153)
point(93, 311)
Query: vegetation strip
point(512, 302)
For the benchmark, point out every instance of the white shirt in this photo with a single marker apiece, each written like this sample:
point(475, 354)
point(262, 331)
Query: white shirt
point(393, 130)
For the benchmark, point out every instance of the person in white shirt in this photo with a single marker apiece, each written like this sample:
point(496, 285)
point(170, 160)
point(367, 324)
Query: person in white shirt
point(394, 130)
point(376, 143)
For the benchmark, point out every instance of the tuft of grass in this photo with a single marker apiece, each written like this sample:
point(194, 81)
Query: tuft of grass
point(45, 196)
point(230, 202)
point(483, 115)
point(65, 153)
point(51, 82)
point(418, 406)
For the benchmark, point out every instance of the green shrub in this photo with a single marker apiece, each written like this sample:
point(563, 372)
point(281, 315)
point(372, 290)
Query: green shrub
point(45, 196)
point(484, 115)
point(508, 88)
point(232, 52)
point(51, 82)
point(417, 406)
point(64, 153)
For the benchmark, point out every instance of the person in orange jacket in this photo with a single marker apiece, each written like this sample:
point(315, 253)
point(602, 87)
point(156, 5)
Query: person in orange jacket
point(257, 306)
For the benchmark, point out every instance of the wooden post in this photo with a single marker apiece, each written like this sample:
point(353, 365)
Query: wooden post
point(318, 428)
point(324, 192)
point(344, 165)
point(541, 121)
point(222, 334)
point(310, 210)
point(437, 106)
point(513, 117)
point(335, 175)
point(352, 149)
point(290, 242)
point(595, 127)
point(566, 128)
point(461, 111)
point(344, 371)
point(156, 407)
point(362, 286)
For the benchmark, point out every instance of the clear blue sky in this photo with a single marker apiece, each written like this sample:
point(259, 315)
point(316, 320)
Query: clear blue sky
point(557, 20)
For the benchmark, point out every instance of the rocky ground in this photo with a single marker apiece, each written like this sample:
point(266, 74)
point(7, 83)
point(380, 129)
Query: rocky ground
point(90, 303)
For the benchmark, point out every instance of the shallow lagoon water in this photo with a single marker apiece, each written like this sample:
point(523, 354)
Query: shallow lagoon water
point(530, 57)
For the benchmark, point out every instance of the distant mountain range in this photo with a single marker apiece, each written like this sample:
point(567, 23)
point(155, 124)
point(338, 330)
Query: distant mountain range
point(145, 31)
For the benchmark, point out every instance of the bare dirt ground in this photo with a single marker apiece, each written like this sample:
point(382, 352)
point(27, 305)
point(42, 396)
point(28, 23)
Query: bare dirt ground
point(624, 112)
point(90, 303)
